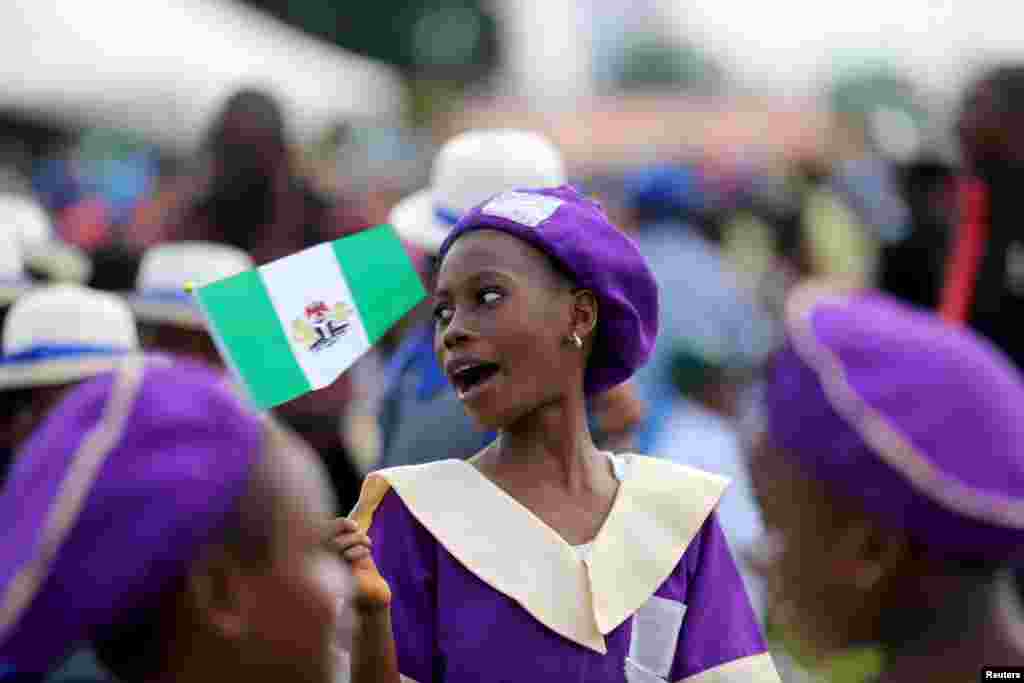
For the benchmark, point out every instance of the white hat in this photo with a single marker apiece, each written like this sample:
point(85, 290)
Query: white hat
point(64, 333)
point(42, 250)
point(13, 280)
point(160, 295)
point(469, 169)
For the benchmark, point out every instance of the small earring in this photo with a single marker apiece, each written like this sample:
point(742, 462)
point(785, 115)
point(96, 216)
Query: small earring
point(575, 339)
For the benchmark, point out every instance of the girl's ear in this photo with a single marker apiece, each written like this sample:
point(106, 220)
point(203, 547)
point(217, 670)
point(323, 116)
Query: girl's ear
point(864, 554)
point(584, 313)
point(217, 594)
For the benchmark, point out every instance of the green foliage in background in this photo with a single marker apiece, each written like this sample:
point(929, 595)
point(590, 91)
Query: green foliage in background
point(413, 35)
point(855, 666)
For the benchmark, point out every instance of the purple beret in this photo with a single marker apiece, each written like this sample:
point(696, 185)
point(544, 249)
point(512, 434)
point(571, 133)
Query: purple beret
point(576, 233)
point(110, 501)
point(921, 421)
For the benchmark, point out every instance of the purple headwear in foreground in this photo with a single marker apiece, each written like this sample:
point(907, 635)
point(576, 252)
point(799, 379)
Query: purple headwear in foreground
point(111, 500)
point(576, 233)
point(921, 421)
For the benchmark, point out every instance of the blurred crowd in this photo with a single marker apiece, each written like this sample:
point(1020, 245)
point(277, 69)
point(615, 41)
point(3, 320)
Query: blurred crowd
point(99, 236)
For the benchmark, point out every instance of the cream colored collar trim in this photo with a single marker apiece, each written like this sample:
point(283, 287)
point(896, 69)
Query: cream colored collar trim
point(660, 507)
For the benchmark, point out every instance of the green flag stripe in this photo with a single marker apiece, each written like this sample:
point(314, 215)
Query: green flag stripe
point(242, 315)
point(383, 282)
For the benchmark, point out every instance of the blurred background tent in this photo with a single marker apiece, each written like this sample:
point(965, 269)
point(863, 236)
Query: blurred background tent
point(160, 69)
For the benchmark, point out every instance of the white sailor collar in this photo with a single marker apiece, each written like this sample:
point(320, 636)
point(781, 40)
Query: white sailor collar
point(659, 507)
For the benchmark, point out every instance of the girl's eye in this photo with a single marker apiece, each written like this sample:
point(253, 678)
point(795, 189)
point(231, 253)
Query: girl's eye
point(442, 313)
point(491, 296)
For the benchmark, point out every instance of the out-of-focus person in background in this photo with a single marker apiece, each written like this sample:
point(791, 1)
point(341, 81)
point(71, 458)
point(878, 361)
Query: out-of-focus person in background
point(762, 236)
point(713, 331)
point(867, 183)
point(53, 338)
point(254, 199)
point(891, 479)
point(169, 317)
point(912, 268)
point(143, 223)
point(421, 418)
point(703, 304)
point(852, 205)
point(701, 431)
point(66, 187)
point(184, 537)
point(796, 248)
point(984, 281)
point(173, 181)
point(96, 188)
point(836, 241)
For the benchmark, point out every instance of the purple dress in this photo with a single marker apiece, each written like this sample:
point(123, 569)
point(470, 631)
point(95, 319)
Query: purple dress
point(484, 590)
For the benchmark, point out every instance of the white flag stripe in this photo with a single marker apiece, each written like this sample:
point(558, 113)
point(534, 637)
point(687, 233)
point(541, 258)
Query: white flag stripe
point(314, 275)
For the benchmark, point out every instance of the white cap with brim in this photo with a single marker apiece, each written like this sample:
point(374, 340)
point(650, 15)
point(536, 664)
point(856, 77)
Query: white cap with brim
point(469, 169)
point(160, 297)
point(64, 333)
point(14, 282)
point(41, 248)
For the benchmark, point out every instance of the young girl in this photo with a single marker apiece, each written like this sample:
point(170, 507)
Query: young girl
point(182, 536)
point(542, 558)
point(890, 473)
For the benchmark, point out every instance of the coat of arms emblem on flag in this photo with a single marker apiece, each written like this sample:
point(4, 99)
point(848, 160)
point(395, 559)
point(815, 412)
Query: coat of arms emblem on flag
point(321, 325)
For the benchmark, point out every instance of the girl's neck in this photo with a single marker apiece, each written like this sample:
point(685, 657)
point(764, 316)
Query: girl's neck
point(553, 444)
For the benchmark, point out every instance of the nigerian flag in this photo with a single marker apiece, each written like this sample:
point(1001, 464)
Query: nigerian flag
point(295, 324)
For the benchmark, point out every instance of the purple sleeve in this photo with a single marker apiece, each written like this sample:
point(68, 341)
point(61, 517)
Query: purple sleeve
point(719, 625)
point(405, 555)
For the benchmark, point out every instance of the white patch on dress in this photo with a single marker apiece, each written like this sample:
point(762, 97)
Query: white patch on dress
point(637, 674)
point(526, 209)
point(652, 646)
